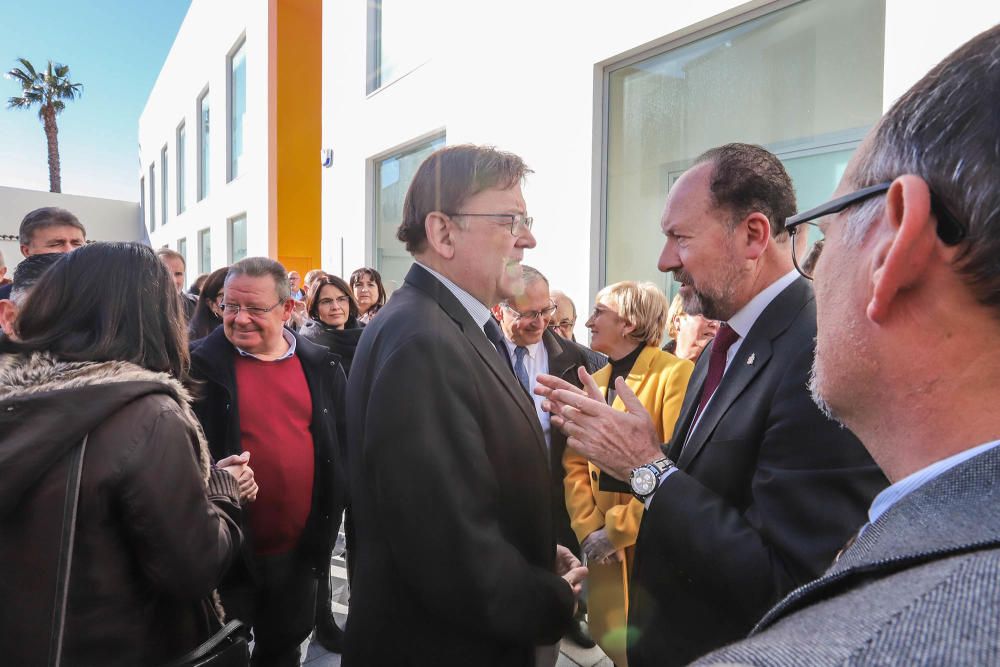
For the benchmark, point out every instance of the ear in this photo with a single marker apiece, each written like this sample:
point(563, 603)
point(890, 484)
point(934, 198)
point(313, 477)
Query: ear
point(24, 250)
point(286, 309)
point(905, 244)
point(439, 229)
point(8, 313)
point(758, 234)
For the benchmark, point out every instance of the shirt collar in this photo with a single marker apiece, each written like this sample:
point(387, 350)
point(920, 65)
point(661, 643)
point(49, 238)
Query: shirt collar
point(289, 338)
point(894, 493)
point(480, 313)
point(746, 317)
point(532, 349)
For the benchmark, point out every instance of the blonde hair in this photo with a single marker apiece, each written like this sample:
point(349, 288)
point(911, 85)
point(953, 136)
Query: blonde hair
point(676, 309)
point(643, 305)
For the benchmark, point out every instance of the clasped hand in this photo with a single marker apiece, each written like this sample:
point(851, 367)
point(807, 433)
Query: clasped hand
point(237, 466)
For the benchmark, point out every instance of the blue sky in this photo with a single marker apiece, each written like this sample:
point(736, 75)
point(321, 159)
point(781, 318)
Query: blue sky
point(115, 48)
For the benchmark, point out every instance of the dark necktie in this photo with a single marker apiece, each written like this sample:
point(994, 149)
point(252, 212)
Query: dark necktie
point(493, 332)
point(519, 370)
point(716, 366)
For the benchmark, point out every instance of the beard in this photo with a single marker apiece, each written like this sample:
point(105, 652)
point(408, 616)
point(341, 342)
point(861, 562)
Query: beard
point(816, 393)
point(713, 301)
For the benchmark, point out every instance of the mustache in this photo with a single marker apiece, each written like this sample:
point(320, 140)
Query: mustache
point(682, 277)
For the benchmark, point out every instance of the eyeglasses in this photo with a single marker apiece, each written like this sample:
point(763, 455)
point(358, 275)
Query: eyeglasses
point(340, 301)
point(544, 313)
point(949, 230)
point(234, 309)
point(518, 223)
point(563, 324)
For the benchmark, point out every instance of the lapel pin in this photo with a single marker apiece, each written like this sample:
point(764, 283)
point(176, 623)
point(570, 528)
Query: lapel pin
point(750, 359)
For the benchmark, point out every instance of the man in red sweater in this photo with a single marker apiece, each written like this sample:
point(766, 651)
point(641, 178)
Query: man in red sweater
point(279, 397)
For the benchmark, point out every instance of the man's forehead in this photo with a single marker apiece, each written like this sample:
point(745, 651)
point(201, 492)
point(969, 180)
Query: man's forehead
point(535, 296)
point(689, 192)
point(250, 286)
point(57, 232)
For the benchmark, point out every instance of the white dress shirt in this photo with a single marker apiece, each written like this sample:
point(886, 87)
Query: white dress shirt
point(536, 361)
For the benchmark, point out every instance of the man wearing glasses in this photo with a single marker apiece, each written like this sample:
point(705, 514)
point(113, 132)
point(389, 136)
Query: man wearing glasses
point(911, 245)
point(757, 489)
point(535, 350)
point(268, 395)
point(454, 537)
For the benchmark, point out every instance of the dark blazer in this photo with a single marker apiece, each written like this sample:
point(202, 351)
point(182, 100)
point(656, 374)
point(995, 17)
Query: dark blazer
point(216, 405)
point(454, 544)
point(768, 491)
point(565, 357)
point(918, 587)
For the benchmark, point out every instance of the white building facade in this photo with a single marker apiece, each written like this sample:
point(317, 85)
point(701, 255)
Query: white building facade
point(608, 103)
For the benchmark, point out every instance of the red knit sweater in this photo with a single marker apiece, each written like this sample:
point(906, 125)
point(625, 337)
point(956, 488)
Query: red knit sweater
point(275, 412)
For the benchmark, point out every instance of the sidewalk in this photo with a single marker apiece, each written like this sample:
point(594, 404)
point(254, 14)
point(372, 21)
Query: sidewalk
point(570, 655)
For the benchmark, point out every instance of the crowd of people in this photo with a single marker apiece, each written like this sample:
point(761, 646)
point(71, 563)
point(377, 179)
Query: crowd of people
point(789, 480)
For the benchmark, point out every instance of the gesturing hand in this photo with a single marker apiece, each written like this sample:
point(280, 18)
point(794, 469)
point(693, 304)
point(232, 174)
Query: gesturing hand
point(598, 548)
point(616, 441)
point(569, 568)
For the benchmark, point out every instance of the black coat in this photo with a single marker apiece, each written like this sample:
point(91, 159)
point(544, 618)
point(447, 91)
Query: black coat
point(217, 408)
point(342, 342)
point(565, 356)
point(768, 491)
point(455, 545)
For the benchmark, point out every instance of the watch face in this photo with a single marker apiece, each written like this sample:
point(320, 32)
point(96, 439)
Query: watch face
point(643, 482)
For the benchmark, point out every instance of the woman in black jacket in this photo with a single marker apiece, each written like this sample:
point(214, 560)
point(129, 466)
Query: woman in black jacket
point(333, 318)
point(99, 354)
point(208, 313)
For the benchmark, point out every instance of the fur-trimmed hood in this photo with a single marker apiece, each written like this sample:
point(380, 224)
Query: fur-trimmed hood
point(48, 405)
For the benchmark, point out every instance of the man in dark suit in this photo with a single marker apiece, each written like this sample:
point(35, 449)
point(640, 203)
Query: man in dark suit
point(535, 350)
point(455, 550)
point(911, 246)
point(758, 489)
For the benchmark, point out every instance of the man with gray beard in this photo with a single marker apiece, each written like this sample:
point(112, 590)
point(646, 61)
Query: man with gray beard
point(912, 237)
point(757, 490)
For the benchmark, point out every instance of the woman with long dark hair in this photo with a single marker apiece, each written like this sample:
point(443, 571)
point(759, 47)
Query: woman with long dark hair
point(95, 375)
point(366, 284)
point(333, 318)
point(208, 313)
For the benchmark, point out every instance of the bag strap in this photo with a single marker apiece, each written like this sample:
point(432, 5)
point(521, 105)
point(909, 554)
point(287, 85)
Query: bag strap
point(209, 645)
point(71, 504)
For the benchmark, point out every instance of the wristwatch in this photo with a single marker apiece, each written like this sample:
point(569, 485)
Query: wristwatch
point(645, 479)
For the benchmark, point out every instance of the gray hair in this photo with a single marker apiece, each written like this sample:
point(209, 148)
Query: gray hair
point(258, 267)
point(946, 129)
point(532, 275)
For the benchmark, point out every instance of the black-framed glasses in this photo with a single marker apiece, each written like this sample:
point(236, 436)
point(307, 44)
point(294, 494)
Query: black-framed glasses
point(544, 313)
point(949, 230)
point(253, 311)
point(518, 223)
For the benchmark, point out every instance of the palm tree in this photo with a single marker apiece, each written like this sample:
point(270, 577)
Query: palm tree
point(47, 89)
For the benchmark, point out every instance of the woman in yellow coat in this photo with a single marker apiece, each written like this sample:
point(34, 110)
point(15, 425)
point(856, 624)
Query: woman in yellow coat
point(627, 325)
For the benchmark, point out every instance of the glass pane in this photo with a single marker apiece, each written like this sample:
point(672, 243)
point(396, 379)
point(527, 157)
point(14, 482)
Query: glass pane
point(203, 147)
point(182, 248)
point(802, 81)
point(238, 108)
point(164, 168)
point(392, 179)
point(152, 196)
point(180, 169)
point(204, 251)
point(401, 44)
point(238, 236)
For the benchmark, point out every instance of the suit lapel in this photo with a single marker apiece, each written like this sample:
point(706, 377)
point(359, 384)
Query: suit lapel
point(753, 355)
point(561, 359)
point(689, 406)
point(430, 285)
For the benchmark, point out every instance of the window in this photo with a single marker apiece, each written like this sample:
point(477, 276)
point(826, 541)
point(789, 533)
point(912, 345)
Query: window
point(203, 146)
point(392, 178)
point(152, 196)
point(205, 251)
point(804, 81)
point(163, 185)
point(180, 168)
point(237, 238)
point(142, 199)
point(237, 108)
point(396, 42)
point(182, 248)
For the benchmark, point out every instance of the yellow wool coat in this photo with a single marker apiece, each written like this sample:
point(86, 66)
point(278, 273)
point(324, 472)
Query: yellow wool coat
point(659, 380)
